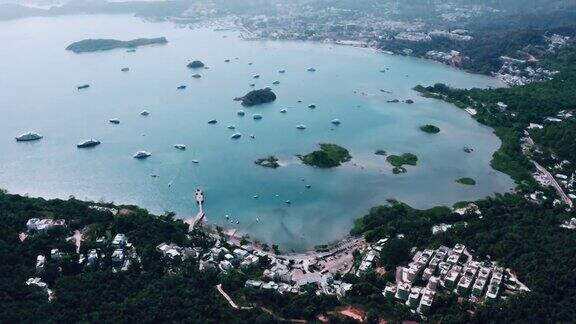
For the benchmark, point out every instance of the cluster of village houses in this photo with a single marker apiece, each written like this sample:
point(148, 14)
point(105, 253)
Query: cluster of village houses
point(277, 276)
point(561, 172)
point(443, 270)
point(123, 255)
point(448, 270)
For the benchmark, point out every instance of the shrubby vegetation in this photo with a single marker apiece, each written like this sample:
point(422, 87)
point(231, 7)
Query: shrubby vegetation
point(559, 138)
point(404, 159)
point(398, 161)
point(329, 156)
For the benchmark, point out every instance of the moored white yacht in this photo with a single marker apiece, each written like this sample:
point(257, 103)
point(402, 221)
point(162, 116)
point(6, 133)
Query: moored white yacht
point(142, 155)
point(181, 147)
point(88, 143)
point(28, 137)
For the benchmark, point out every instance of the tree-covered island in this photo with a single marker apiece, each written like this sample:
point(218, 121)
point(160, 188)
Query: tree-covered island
point(329, 156)
point(94, 45)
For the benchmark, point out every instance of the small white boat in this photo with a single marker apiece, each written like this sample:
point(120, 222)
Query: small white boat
point(288, 202)
point(231, 127)
point(240, 113)
point(144, 113)
point(276, 82)
point(88, 143)
point(311, 69)
point(255, 76)
point(236, 136)
point(255, 197)
point(195, 161)
point(257, 116)
point(212, 121)
point(283, 111)
point(115, 121)
point(28, 137)
point(181, 147)
point(335, 121)
point(301, 127)
point(196, 76)
point(282, 71)
point(312, 106)
point(141, 155)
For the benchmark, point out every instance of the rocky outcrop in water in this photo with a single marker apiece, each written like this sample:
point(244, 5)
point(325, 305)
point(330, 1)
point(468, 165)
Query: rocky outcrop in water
point(257, 97)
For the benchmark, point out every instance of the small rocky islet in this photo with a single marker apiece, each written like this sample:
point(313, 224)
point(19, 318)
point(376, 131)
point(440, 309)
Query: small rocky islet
point(196, 64)
point(268, 162)
point(466, 181)
point(430, 129)
point(257, 97)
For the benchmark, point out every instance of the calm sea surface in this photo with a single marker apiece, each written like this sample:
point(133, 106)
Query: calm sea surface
point(38, 80)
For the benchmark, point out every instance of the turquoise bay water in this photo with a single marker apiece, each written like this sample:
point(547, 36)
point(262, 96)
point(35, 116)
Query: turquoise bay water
point(38, 93)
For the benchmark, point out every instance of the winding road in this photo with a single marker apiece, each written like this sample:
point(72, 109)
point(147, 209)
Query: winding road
point(555, 184)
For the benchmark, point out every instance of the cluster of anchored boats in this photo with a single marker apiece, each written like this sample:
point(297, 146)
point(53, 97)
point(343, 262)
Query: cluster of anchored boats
point(32, 136)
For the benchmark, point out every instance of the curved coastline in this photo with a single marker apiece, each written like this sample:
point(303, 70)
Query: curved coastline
point(282, 85)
